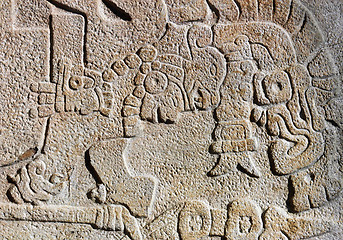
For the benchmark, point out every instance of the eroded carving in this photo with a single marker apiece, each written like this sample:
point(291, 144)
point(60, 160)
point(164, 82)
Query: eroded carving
point(322, 182)
point(32, 185)
point(280, 225)
point(110, 217)
point(118, 184)
point(255, 64)
point(263, 82)
point(194, 221)
point(243, 220)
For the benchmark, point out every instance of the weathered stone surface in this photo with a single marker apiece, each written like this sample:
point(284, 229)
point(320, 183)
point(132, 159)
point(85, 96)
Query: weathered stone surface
point(171, 119)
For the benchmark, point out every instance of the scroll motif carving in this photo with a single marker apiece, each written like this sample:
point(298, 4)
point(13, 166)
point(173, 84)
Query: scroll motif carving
point(31, 185)
point(259, 68)
point(237, 70)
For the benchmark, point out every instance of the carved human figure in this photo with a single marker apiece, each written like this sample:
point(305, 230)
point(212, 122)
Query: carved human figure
point(233, 139)
point(281, 85)
point(263, 79)
point(239, 70)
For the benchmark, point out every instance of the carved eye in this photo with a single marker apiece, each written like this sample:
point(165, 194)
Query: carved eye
point(278, 87)
point(75, 82)
point(147, 53)
point(213, 69)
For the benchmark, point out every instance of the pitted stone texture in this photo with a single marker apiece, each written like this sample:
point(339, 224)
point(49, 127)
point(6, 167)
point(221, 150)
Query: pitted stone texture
point(171, 119)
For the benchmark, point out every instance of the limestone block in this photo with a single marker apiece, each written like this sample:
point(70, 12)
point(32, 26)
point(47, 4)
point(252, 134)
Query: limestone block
point(171, 119)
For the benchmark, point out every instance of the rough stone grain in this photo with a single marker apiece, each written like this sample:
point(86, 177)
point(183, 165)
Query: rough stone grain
point(171, 119)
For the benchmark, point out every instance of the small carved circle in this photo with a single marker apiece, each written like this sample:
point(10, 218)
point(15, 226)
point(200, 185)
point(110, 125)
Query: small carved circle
point(120, 67)
point(278, 87)
point(133, 61)
point(147, 53)
point(139, 91)
point(145, 68)
point(241, 40)
point(155, 65)
point(155, 82)
point(33, 113)
point(75, 82)
point(109, 75)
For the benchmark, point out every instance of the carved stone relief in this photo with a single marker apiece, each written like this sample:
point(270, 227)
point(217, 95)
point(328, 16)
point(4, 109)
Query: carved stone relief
point(171, 119)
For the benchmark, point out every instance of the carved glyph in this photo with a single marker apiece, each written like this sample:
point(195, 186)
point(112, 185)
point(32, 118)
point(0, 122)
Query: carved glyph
point(175, 119)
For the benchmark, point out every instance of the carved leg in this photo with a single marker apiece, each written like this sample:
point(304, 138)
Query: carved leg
point(107, 158)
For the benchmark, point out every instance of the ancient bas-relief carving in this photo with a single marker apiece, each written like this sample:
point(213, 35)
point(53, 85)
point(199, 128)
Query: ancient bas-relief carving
point(125, 86)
